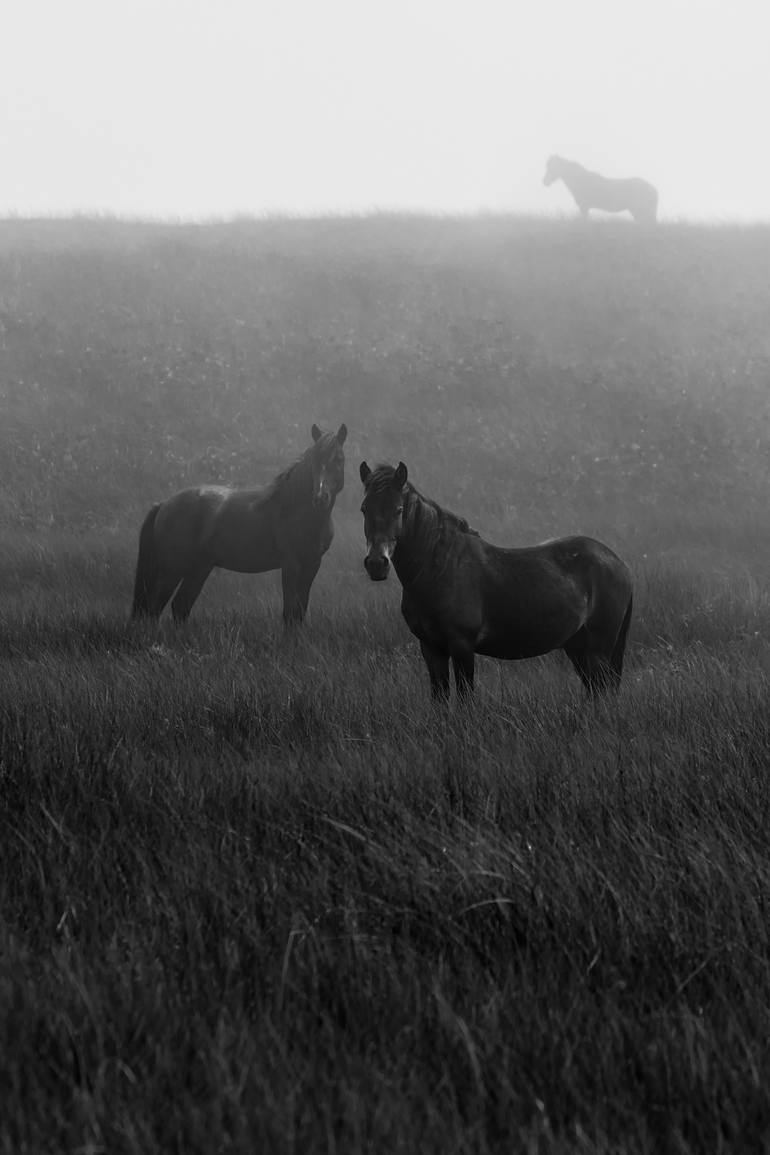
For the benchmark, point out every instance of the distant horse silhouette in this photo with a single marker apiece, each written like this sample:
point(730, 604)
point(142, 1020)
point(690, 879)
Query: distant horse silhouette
point(286, 525)
point(592, 191)
point(463, 596)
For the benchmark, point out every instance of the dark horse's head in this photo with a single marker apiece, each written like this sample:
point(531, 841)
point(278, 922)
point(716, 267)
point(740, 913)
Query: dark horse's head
point(328, 465)
point(383, 509)
point(553, 169)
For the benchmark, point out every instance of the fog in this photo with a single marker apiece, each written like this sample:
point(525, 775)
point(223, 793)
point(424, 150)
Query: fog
point(176, 108)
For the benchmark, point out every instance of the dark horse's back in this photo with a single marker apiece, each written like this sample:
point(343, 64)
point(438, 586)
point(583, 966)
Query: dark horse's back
point(538, 598)
point(581, 555)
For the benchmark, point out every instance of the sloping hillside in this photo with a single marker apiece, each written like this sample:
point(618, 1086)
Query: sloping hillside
point(549, 371)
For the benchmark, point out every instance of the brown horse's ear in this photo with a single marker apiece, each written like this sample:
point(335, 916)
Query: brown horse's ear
point(315, 433)
point(364, 472)
point(399, 477)
point(342, 433)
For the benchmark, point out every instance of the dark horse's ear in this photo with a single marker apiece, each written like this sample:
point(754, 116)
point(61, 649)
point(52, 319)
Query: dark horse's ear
point(315, 433)
point(364, 472)
point(399, 477)
point(342, 433)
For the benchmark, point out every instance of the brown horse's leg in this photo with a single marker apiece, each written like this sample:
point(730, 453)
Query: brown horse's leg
point(464, 665)
point(186, 595)
point(438, 668)
point(296, 580)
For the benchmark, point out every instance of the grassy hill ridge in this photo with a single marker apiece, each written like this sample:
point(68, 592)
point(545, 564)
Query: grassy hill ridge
point(578, 359)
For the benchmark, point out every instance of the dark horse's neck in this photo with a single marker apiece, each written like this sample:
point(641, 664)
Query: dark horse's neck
point(428, 534)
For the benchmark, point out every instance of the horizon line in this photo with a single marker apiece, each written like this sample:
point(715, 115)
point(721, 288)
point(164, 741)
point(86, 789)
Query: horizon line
point(271, 216)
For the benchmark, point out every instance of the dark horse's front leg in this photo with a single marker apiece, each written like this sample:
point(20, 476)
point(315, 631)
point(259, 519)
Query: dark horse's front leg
point(438, 668)
point(296, 579)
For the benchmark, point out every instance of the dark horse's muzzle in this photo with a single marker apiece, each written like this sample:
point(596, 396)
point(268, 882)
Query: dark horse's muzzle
point(322, 499)
point(377, 567)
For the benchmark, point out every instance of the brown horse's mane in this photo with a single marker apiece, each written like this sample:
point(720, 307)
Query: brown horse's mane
point(290, 474)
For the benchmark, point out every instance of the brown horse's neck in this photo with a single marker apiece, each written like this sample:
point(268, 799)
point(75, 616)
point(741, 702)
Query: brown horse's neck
point(294, 485)
point(297, 485)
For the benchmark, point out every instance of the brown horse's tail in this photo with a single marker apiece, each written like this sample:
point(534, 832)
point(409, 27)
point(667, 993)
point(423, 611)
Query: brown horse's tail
point(619, 649)
point(146, 565)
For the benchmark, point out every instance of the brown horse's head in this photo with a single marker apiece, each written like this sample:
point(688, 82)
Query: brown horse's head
point(328, 465)
point(383, 509)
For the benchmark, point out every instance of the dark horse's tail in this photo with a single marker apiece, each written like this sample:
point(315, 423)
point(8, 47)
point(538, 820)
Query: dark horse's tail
point(619, 649)
point(146, 565)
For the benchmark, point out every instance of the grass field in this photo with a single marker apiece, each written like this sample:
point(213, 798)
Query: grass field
point(257, 893)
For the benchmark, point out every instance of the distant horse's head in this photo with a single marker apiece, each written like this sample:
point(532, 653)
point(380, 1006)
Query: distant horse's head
point(328, 465)
point(383, 509)
point(553, 169)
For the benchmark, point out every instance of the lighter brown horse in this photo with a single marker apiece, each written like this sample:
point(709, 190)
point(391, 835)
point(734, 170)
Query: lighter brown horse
point(285, 525)
point(462, 596)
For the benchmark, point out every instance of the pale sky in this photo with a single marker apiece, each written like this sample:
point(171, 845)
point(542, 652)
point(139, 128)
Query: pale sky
point(197, 108)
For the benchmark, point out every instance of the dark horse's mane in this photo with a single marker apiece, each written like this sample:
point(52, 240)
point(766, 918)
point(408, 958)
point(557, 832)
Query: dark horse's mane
point(423, 515)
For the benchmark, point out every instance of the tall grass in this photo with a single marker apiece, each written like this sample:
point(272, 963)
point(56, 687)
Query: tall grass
point(257, 893)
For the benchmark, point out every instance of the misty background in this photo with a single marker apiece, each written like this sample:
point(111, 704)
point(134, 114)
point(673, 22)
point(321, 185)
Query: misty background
point(176, 108)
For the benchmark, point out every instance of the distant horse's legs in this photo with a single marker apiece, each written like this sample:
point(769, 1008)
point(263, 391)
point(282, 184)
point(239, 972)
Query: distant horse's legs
point(464, 665)
point(186, 595)
point(296, 580)
point(438, 668)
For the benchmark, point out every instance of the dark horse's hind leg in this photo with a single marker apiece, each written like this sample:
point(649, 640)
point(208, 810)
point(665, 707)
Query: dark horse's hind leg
point(188, 592)
point(296, 580)
point(161, 592)
point(596, 651)
point(438, 668)
point(596, 671)
point(464, 665)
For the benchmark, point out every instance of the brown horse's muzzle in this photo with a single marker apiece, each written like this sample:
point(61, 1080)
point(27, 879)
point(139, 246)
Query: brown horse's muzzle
point(322, 499)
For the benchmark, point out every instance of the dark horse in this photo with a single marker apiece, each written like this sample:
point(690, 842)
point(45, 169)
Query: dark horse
point(591, 190)
point(285, 525)
point(463, 596)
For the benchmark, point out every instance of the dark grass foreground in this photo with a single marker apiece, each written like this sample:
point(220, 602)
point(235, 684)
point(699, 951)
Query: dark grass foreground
point(255, 899)
point(256, 894)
